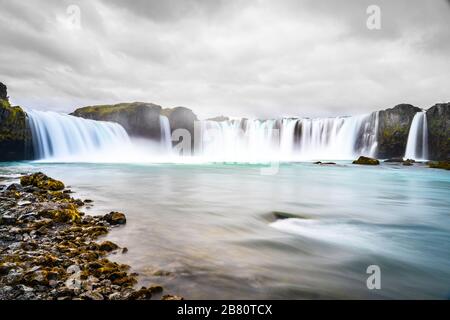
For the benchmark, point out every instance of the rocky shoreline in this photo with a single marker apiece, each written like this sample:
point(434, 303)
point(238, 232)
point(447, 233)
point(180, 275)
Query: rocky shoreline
point(50, 250)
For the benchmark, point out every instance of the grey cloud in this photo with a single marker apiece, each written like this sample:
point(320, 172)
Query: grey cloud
point(239, 58)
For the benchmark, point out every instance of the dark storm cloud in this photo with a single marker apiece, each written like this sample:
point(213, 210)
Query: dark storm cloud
point(241, 58)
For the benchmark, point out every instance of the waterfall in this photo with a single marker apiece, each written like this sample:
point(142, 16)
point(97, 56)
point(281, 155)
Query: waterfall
point(289, 139)
point(65, 138)
point(417, 145)
point(59, 137)
point(166, 138)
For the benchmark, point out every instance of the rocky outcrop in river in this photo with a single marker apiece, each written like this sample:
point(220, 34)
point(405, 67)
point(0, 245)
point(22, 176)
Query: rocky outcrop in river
point(393, 129)
point(140, 119)
point(15, 136)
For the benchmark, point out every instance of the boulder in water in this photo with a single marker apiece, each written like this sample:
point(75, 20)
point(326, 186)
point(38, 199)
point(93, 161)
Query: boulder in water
point(325, 163)
point(440, 164)
point(42, 181)
point(280, 215)
point(366, 161)
point(115, 218)
point(395, 160)
point(408, 162)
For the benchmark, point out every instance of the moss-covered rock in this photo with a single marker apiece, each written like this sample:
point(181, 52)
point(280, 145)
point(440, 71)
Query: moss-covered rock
point(115, 218)
point(393, 130)
point(438, 121)
point(440, 164)
point(15, 136)
point(42, 181)
point(108, 246)
point(366, 161)
point(408, 162)
point(69, 213)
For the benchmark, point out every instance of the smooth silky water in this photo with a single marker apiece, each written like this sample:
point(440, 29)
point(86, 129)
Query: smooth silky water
point(207, 230)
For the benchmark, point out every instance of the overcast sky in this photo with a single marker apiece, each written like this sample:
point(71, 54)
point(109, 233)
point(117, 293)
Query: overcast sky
point(238, 58)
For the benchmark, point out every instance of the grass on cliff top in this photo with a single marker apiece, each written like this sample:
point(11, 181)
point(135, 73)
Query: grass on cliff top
point(111, 108)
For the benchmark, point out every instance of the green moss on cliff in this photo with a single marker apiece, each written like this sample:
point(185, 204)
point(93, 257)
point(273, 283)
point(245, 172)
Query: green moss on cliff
point(13, 122)
point(105, 110)
point(15, 136)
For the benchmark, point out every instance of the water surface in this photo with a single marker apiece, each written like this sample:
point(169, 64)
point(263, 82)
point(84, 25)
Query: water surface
point(207, 231)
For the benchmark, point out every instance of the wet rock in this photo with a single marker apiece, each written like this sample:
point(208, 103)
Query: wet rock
point(141, 294)
point(280, 215)
point(79, 202)
point(7, 219)
point(400, 160)
point(14, 187)
point(6, 267)
point(162, 273)
point(439, 164)
point(408, 162)
point(115, 218)
point(41, 181)
point(155, 289)
point(115, 296)
point(108, 246)
point(171, 297)
point(366, 161)
point(92, 295)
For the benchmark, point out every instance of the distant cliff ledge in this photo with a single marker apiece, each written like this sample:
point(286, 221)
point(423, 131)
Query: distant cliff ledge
point(140, 119)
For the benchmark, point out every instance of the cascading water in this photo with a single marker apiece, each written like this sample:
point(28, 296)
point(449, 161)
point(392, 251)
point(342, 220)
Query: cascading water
point(289, 139)
point(59, 137)
point(417, 145)
point(166, 139)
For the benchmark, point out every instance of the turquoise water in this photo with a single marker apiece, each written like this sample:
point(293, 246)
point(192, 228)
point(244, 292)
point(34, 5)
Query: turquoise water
point(211, 227)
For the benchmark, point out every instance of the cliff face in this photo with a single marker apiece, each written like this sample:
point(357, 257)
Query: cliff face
point(15, 136)
point(181, 118)
point(438, 120)
point(393, 130)
point(140, 119)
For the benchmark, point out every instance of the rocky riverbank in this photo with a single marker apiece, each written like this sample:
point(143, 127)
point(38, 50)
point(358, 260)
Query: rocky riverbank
point(49, 249)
